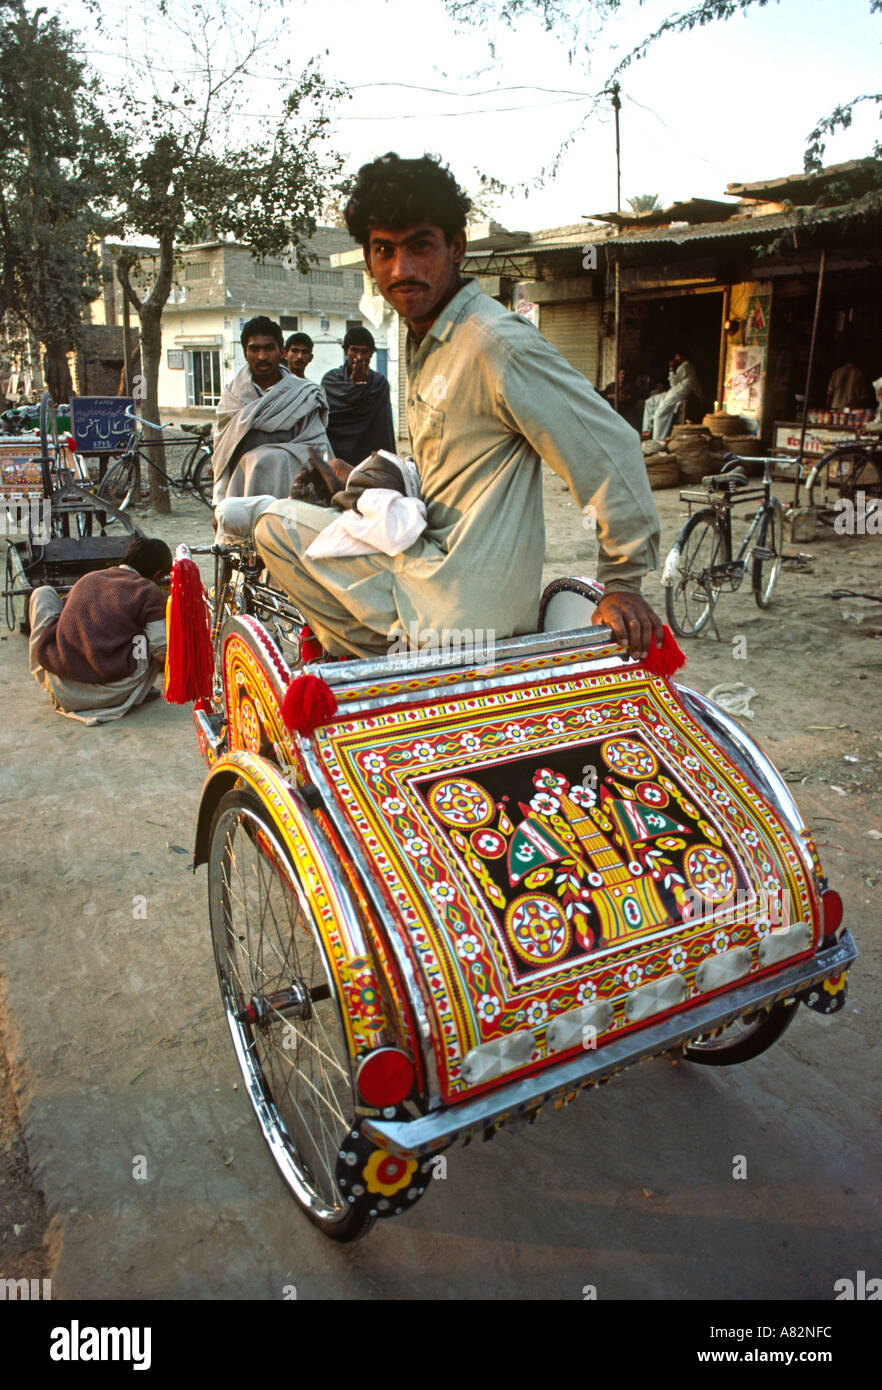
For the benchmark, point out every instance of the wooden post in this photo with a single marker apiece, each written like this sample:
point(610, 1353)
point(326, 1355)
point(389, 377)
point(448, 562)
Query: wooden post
point(126, 370)
point(618, 333)
point(808, 375)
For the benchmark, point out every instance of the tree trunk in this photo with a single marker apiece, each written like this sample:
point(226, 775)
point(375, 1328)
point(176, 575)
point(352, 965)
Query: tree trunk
point(147, 405)
point(58, 380)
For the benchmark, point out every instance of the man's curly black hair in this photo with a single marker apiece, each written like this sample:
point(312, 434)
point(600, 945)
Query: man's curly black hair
point(397, 193)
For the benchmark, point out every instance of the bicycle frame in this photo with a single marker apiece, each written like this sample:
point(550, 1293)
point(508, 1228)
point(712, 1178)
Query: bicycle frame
point(722, 501)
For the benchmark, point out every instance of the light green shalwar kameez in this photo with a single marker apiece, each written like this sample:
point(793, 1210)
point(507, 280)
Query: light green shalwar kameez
point(488, 398)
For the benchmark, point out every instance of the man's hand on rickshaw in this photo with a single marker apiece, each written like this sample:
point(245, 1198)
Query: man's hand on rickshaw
point(632, 621)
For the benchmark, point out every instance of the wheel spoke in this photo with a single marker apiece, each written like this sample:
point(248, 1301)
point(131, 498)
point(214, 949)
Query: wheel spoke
point(266, 941)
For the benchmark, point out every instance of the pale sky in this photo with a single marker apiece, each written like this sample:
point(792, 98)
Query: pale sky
point(734, 101)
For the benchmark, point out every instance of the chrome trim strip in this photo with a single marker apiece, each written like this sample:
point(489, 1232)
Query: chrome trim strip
point(538, 675)
point(402, 960)
point(413, 1139)
point(753, 762)
point(508, 649)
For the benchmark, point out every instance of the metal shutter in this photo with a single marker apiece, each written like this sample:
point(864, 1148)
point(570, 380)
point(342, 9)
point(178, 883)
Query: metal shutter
point(574, 328)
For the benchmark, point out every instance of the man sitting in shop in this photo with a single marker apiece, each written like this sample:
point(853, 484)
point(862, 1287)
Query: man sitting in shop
point(298, 353)
point(488, 399)
point(359, 402)
point(659, 411)
point(98, 653)
point(270, 424)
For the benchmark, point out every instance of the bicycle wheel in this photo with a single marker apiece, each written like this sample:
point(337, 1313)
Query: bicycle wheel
point(281, 1009)
point(202, 478)
point(846, 474)
point(118, 484)
point(15, 578)
point(767, 554)
point(48, 427)
point(743, 1039)
point(691, 596)
point(8, 586)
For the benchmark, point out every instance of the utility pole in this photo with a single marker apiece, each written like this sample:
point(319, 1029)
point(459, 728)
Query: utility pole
point(617, 106)
point(613, 92)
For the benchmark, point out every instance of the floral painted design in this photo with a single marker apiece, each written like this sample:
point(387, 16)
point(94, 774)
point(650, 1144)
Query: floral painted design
point(543, 803)
point(536, 1013)
point(442, 892)
point(468, 947)
point(678, 959)
point(385, 1174)
point(488, 1007)
point(632, 976)
point(549, 781)
point(582, 796)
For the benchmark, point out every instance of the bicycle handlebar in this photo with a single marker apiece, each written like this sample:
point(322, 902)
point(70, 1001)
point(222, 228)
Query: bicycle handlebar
point(140, 420)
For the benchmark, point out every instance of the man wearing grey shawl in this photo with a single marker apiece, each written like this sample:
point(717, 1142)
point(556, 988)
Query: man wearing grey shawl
point(270, 424)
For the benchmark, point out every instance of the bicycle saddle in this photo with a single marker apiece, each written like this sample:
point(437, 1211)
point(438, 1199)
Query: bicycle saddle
point(721, 482)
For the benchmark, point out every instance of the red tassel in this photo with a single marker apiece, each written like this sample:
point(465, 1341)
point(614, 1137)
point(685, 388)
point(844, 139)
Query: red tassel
point(309, 701)
point(189, 661)
point(310, 646)
point(667, 659)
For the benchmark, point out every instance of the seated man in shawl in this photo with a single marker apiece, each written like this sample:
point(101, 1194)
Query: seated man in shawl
point(270, 424)
point(298, 351)
point(359, 402)
point(488, 399)
point(98, 653)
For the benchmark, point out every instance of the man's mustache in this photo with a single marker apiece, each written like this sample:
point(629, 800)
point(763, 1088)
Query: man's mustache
point(409, 285)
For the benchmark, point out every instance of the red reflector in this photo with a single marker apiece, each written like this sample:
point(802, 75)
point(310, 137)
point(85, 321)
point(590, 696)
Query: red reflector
point(385, 1077)
point(832, 907)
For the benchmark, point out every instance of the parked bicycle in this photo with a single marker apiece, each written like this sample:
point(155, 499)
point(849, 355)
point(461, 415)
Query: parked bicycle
point(240, 586)
point(844, 471)
point(120, 482)
point(701, 563)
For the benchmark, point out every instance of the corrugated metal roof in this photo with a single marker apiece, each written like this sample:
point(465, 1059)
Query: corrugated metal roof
point(745, 227)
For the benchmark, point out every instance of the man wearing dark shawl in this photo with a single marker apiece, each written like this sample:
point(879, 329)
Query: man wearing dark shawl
point(360, 420)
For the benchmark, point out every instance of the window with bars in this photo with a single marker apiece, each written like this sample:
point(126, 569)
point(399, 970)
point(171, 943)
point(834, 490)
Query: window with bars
point(197, 270)
point(325, 277)
point(270, 272)
point(203, 376)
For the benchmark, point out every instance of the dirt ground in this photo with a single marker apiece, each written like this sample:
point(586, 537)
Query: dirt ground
point(117, 1048)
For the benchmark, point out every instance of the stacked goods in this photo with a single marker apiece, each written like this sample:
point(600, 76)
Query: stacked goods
point(698, 452)
point(721, 423)
point(663, 470)
point(746, 446)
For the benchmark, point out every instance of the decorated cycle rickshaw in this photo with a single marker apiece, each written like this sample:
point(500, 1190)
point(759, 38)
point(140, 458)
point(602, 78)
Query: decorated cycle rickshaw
point(450, 891)
point(54, 525)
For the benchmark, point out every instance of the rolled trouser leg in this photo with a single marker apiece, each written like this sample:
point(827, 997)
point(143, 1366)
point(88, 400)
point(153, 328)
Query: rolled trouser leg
point(281, 544)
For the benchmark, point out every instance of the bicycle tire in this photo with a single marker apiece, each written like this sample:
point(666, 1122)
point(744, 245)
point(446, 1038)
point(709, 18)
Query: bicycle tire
point(698, 546)
point(864, 476)
point(766, 568)
point(295, 1065)
point(743, 1039)
point(48, 427)
point(118, 484)
point(202, 479)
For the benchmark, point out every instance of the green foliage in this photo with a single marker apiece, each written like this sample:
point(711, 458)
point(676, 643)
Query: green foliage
point(644, 202)
point(47, 130)
point(578, 23)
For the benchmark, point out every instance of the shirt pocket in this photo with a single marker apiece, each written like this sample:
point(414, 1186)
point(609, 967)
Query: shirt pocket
point(426, 423)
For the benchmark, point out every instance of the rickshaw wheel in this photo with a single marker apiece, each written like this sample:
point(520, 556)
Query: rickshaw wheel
point(743, 1039)
point(281, 1009)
